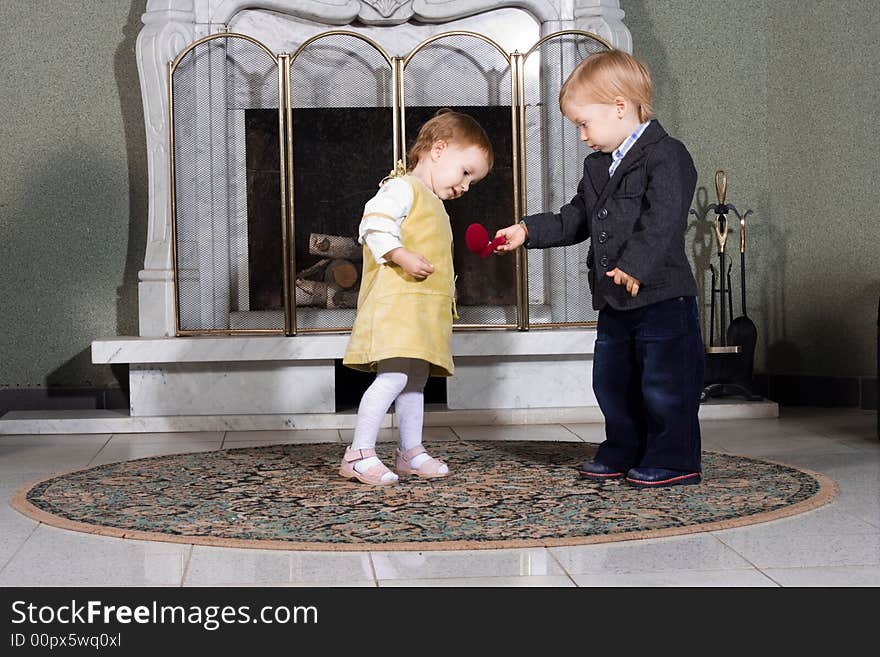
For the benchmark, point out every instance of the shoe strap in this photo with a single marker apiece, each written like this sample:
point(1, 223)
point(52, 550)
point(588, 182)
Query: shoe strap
point(376, 471)
point(352, 455)
point(412, 452)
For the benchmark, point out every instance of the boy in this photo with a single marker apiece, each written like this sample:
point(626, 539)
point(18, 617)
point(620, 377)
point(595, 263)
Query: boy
point(632, 203)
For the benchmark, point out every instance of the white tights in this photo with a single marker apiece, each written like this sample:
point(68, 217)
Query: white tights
point(401, 381)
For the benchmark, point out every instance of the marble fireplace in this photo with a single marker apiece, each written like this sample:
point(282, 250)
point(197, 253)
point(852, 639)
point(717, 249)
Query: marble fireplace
point(289, 378)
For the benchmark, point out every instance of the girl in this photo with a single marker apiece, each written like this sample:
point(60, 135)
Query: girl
point(403, 328)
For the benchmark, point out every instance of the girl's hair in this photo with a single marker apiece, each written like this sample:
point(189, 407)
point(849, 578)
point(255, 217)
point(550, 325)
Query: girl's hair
point(603, 76)
point(450, 126)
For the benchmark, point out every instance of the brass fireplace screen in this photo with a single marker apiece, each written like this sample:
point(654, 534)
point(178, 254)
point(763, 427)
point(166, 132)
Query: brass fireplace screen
point(272, 158)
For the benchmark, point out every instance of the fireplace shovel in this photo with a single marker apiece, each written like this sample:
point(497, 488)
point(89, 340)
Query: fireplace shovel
point(742, 330)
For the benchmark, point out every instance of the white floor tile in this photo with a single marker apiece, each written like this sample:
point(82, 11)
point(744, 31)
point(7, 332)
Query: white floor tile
point(833, 576)
point(464, 563)
point(360, 584)
point(57, 557)
point(46, 440)
point(15, 529)
point(543, 432)
point(301, 436)
point(773, 550)
point(554, 581)
point(747, 431)
point(853, 473)
point(12, 480)
point(438, 434)
point(169, 437)
point(784, 447)
point(741, 577)
point(46, 459)
point(838, 422)
point(591, 432)
point(824, 521)
point(213, 566)
point(701, 552)
point(132, 451)
point(865, 507)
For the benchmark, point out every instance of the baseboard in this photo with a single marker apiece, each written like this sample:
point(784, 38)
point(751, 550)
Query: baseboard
point(785, 390)
point(62, 398)
point(824, 391)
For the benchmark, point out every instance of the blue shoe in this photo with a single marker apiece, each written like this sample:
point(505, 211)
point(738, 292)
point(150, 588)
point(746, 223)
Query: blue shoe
point(660, 477)
point(598, 471)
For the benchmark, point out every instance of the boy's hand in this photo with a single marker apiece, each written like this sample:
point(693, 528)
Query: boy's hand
point(515, 236)
point(412, 263)
point(621, 277)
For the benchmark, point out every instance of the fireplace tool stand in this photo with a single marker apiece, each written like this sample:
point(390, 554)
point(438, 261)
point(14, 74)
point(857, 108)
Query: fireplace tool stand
point(729, 356)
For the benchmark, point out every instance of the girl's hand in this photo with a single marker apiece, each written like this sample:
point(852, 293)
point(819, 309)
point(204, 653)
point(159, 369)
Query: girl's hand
point(412, 263)
point(515, 236)
point(622, 278)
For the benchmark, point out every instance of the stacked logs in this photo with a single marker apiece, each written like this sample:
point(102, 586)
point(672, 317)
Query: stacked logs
point(332, 281)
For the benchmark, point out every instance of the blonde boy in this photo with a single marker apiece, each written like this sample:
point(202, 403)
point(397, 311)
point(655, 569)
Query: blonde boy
point(632, 204)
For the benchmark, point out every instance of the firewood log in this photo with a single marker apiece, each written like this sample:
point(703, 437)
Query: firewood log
point(334, 246)
point(341, 273)
point(338, 298)
point(311, 293)
point(315, 269)
point(321, 295)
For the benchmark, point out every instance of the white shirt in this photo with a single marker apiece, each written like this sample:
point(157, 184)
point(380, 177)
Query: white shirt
point(383, 215)
point(621, 151)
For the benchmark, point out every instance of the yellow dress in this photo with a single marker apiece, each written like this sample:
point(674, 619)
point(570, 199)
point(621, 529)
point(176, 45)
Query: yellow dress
point(399, 316)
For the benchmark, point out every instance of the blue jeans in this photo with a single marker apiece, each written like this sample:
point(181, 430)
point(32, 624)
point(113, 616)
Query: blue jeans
point(647, 376)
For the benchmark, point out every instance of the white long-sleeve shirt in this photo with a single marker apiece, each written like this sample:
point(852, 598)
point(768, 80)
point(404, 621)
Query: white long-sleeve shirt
point(383, 216)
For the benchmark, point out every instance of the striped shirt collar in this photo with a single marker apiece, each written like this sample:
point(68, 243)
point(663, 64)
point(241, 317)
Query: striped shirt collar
point(621, 151)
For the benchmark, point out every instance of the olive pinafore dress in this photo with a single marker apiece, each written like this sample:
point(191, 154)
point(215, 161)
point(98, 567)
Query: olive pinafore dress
point(399, 316)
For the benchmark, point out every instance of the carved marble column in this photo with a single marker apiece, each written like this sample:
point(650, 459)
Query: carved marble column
point(168, 28)
point(605, 18)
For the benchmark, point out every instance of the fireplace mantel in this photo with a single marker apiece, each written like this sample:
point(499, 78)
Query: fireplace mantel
point(293, 377)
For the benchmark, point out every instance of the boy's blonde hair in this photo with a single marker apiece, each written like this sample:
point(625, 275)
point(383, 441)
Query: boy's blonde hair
point(450, 126)
point(603, 76)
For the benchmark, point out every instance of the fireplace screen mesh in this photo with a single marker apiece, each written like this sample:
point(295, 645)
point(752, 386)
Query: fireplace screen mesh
point(343, 139)
point(228, 258)
point(273, 158)
point(470, 75)
point(558, 290)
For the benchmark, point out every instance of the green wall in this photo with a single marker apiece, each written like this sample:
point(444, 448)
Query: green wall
point(782, 95)
point(73, 196)
point(770, 91)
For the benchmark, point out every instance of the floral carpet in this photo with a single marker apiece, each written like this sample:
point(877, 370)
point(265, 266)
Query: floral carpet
point(499, 494)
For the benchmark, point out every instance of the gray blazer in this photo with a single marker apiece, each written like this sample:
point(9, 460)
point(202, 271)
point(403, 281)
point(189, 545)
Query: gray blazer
point(635, 220)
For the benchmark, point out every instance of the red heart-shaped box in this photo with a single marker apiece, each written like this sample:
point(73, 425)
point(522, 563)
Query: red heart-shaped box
point(477, 238)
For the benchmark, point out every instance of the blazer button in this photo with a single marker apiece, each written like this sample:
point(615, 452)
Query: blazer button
point(603, 213)
point(603, 261)
point(603, 237)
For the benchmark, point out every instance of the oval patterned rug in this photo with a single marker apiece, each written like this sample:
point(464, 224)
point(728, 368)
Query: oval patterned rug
point(500, 494)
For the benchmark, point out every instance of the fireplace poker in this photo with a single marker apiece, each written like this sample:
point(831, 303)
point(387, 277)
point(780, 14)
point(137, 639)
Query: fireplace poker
point(721, 238)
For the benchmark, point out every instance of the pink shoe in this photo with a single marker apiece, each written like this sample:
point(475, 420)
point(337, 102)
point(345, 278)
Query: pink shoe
point(372, 475)
point(430, 469)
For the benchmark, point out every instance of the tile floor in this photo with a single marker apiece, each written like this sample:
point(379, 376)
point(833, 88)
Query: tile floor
point(835, 545)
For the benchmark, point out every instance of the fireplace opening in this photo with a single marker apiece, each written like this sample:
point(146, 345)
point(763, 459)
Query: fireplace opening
point(339, 157)
point(351, 385)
